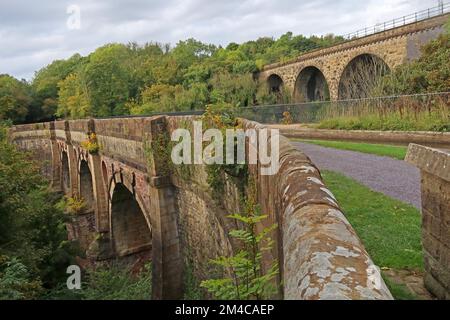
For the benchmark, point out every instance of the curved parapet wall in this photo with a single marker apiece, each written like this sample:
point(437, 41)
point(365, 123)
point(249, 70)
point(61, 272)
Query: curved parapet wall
point(322, 256)
point(319, 254)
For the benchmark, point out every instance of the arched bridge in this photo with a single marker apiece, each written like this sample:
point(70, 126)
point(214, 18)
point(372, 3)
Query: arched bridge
point(348, 70)
point(137, 208)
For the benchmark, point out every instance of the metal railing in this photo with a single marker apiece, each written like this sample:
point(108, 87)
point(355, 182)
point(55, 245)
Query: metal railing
point(411, 18)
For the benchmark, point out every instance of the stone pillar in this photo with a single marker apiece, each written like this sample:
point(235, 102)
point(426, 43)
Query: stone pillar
point(166, 254)
point(100, 248)
point(333, 86)
point(99, 188)
point(56, 179)
point(73, 162)
point(434, 167)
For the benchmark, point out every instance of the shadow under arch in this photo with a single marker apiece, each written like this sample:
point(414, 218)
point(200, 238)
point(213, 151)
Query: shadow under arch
point(361, 75)
point(86, 186)
point(131, 233)
point(311, 85)
point(275, 83)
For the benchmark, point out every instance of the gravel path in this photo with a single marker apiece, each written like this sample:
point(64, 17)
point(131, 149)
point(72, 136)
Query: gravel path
point(392, 177)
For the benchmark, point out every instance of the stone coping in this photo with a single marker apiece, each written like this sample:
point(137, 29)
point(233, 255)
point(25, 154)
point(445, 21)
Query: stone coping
point(433, 161)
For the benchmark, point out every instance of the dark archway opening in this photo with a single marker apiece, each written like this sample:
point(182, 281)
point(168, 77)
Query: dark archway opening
point(275, 83)
point(65, 173)
point(361, 76)
point(311, 85)
point(86, 186)
point(131, 233)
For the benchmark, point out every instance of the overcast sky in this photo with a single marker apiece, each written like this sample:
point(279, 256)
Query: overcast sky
point(34, 33)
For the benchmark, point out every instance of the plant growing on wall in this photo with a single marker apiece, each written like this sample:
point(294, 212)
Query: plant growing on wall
point(158, 151)
point(91, 144)
point(72, 205)
point(223, 117)
point(245, 279)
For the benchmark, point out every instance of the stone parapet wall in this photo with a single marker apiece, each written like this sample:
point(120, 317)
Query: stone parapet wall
point(322, 257)
point(434, 166)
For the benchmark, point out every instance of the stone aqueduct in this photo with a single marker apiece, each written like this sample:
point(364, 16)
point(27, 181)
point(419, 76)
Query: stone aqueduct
point(321, 74)
point(139, 210)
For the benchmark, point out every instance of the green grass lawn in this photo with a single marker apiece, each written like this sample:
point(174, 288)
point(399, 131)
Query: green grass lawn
point(389, 229)
point(397, 152)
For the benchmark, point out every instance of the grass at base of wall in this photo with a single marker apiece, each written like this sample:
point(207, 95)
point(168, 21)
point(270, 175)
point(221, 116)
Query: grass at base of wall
point(397, 152)
point(399, 291)
point(389, 229)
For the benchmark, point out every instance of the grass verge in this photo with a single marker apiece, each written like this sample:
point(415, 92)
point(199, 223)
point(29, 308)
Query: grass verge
point(389, 229)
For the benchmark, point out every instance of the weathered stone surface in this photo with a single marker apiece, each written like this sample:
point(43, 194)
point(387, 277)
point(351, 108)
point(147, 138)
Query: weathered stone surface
point(435, 170)
point(322, 257)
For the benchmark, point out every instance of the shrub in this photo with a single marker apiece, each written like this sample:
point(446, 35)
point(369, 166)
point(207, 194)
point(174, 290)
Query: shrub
point(91, 144)
point(244, 278)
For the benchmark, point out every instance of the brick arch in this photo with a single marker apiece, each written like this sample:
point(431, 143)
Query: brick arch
point(311, 75)
point(359, 74)
point(130, 226)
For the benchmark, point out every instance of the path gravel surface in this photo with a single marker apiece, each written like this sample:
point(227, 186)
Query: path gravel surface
point(392, 177)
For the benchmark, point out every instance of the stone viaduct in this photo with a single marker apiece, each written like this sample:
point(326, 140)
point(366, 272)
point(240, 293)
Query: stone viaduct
point(339, 72)
point(140, 208)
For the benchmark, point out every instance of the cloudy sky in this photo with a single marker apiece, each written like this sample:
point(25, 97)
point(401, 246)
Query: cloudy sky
point(34, 33)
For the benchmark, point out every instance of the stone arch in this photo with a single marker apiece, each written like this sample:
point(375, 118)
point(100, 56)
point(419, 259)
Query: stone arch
point(130, 229)
point(311, 85)
point(361, 75)
point(275, 83)
point(65, 173)
point(86, 185)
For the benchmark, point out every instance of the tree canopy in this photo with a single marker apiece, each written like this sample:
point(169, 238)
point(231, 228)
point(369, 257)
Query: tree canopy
point(120, 79)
